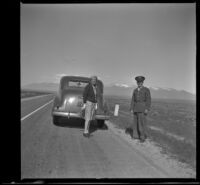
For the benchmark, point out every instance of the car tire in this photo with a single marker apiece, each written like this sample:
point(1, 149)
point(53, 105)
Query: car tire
point(55, 119)
point(100, 123)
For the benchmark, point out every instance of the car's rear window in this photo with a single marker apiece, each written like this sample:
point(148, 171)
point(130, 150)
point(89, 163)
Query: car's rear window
point(77, 84)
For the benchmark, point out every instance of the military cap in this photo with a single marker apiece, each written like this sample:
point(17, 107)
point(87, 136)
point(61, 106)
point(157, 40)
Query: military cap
point(139, 78)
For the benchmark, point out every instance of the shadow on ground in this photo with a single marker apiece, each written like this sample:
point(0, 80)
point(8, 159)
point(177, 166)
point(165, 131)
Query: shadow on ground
point(129, 131)
point(79, 123)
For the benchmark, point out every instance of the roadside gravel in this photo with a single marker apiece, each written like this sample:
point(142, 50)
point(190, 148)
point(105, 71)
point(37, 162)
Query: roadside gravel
point(150, 150)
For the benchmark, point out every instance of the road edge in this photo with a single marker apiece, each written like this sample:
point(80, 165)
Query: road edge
point(151, 152)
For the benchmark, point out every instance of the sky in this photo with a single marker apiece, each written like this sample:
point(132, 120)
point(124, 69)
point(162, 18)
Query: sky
point(116, 42)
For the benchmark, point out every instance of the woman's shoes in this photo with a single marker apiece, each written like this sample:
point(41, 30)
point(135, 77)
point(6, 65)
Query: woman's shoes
point(143, 139)
point(86, 134)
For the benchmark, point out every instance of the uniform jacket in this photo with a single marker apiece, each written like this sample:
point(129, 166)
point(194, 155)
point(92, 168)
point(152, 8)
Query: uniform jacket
point(88, 94)
point(141, 100)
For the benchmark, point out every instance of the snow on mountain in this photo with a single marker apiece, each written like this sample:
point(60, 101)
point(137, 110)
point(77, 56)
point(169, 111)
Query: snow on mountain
point(154, 88)
point(156, 92)
point(122, 85)
point(166, 88)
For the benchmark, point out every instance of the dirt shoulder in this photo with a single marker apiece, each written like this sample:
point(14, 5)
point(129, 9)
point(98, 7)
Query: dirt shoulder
point(150, 150)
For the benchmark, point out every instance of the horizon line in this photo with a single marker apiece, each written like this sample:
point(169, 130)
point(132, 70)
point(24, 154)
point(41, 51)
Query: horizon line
point(109, 84)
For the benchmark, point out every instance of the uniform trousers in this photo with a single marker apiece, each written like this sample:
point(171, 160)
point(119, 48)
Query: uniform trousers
point(89, 114)
point(139, 125)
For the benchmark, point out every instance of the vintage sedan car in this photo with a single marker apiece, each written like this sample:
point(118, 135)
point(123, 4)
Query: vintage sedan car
point(69, 100)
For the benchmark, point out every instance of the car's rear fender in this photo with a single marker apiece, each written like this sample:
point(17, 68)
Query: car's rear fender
point(57, 102)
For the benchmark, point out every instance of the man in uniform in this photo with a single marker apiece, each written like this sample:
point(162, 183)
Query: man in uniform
point(90, 103)
point(140, 106)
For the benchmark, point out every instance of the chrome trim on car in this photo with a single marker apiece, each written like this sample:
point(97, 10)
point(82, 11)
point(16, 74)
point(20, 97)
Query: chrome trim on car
point(78, 115)
point(67, 114)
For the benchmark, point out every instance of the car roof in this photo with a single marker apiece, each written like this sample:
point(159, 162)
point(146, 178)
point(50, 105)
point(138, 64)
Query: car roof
point(77, 78)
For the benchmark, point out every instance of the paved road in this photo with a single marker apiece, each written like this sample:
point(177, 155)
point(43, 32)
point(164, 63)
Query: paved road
point(61, 151)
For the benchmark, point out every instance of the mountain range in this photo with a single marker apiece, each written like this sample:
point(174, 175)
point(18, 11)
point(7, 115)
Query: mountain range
point(120, 90)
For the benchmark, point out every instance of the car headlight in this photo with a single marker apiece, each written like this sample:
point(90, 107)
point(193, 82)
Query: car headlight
point(71, 99)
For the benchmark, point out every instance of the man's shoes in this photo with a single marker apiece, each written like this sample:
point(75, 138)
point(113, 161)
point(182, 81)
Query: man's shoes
point(86, 134)
point(142, 140)
point(134, 137)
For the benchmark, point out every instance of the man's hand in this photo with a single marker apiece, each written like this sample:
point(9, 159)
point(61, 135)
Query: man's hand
point(96, 106)
point(83, 107)
point(146, 111)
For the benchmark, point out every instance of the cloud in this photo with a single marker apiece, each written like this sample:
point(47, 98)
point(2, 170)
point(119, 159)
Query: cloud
point(122, 85)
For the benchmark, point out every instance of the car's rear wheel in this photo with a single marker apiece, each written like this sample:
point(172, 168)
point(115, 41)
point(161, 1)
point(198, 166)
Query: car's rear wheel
point(55, 119)
point(100, 123)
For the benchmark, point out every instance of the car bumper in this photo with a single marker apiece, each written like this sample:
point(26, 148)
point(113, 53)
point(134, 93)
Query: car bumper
point(79, 115)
